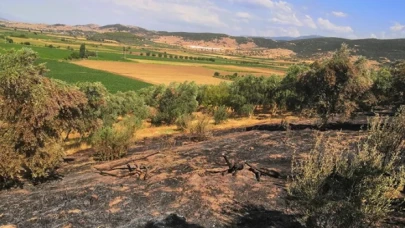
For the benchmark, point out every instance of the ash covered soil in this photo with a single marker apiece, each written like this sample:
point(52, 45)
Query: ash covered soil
point(178, 191)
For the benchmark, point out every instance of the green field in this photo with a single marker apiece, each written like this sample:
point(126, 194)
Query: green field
point(72, 73)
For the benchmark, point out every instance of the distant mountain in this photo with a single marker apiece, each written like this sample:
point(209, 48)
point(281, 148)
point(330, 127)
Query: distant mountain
point(125, 28)
point(3, 19)
point(312, 46)
point(290, 38)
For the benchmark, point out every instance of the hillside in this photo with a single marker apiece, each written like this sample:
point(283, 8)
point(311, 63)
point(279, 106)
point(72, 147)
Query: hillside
point(290, 38)
point(302, 47)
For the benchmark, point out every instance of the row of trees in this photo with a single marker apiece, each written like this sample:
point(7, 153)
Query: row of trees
point(164, 55)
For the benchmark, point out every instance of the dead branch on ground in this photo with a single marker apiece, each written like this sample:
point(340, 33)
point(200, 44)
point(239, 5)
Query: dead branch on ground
point(235, 166)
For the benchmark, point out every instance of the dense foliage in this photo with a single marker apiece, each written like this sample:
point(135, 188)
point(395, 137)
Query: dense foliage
point(34, 111)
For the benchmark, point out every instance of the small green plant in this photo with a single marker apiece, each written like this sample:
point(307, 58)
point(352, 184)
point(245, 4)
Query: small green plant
point(113, 142)
point(220, 115)
point(246, 110)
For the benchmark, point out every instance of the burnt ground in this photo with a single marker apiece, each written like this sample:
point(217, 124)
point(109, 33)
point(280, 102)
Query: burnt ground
point(178, 191)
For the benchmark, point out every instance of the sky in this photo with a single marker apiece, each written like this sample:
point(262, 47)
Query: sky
point(354, 19)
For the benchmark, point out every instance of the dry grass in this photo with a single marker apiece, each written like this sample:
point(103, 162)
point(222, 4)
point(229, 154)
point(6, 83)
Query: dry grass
point(155, 73)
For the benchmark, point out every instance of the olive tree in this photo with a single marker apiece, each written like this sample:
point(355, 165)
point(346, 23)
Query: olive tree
point(33, 114)
point(178, 99)
point(334, 86)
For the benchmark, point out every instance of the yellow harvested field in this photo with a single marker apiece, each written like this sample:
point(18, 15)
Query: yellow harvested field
point(155, 73)
point(223, 69)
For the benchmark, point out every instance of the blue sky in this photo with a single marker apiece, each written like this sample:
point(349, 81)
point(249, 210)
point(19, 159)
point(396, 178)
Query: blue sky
point(354, 19)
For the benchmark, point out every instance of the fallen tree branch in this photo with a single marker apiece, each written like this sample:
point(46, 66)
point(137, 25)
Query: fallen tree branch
point(263, 172)
point(122, 162)
point(235, 166)
point(140, 171)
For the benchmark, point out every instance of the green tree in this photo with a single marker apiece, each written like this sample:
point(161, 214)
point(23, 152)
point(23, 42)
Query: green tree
point(213, 96)
point(340, 86)
point(398, 74)
point(382, 86)
point(177, 100)
point(289, 98)
point(122, 104)
point(82, 51)
point(152, 95)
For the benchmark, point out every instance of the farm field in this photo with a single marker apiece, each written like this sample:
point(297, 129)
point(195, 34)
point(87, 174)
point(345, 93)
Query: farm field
point(73, 73)
point(138, 69)
point(155, 73)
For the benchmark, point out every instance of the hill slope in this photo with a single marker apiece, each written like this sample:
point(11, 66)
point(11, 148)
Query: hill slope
point(303, 47)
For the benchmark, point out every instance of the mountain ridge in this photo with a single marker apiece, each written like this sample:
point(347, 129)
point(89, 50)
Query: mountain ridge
point(311, 46)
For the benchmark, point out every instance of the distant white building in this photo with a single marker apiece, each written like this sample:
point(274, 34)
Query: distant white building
point(204, 48)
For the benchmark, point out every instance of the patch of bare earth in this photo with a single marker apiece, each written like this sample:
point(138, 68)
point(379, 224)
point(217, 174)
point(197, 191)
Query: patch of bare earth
point(155, 73)
point(179, 190)
point(223, 43)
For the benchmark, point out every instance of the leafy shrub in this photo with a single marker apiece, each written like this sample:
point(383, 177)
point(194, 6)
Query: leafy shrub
point(123, 104)
point(184, 122)
point(74, 55)
point(350, 186)
point(177, 99)
point(113, 142)
point(220, 115)
point(398, 84)
point(91, 54)
point(246, 110)
point(382, 86)
point(214, 95)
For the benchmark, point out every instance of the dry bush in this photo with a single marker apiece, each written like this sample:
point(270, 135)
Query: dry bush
point(350, 186)
point(113, 142)
point(201, 128)
point(10, 166)
point(184, 122)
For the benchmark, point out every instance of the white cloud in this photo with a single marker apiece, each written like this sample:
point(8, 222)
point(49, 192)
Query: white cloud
point(272, 31)
point(327, 25)
point(339, 14)
point(118, 12)
point(193, 12)
point(397, 27)
point(373, 36)
point(243, 15)
point(282, 13)
point(309, 22)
